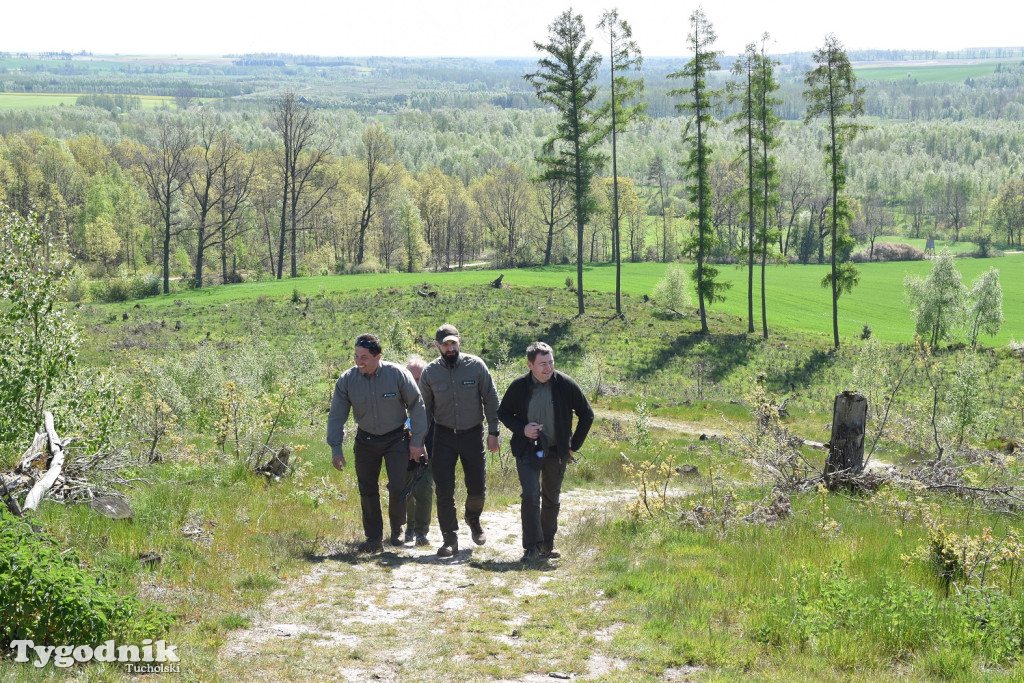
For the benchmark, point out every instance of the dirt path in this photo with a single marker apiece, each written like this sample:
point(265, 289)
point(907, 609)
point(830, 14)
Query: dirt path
point(676, 426)
point(408, 615)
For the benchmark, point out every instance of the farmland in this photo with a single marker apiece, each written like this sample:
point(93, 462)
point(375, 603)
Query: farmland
point(20, 101)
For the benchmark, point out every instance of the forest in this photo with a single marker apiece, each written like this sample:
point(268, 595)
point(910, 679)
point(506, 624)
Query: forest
point(260, 165)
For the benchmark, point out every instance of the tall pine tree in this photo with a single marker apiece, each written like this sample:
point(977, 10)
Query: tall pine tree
point(699, 104)
point(624, 56)
point(566, 79)
point(832, 92)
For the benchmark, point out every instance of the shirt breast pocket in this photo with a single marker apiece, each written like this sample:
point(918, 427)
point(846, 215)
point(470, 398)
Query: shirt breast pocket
point(441, 387)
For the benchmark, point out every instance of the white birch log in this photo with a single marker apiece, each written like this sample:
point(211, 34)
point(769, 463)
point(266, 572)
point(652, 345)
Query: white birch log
point(56, 464)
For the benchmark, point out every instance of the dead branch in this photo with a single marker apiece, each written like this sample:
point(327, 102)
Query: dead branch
point(9, 499)
point(56, 464)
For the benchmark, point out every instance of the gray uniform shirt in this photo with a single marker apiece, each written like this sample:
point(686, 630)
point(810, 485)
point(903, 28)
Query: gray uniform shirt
point(460, 397)
point(380, 404)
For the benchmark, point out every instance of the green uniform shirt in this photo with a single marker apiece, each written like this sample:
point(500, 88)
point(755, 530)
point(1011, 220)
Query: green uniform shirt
point(380, 403)
point(460, 397)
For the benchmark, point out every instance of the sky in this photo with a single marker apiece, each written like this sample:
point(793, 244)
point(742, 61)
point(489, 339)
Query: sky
point(485, 28)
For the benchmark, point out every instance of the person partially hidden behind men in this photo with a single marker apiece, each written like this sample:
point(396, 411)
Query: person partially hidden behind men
point(459, 395)
point(538, 408)
point(381, 395)
point(419, 482)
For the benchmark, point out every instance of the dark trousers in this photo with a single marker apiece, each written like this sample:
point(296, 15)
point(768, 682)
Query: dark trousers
point(370, 451)
point(449, 447)
point(420, 502)
point(541, 491)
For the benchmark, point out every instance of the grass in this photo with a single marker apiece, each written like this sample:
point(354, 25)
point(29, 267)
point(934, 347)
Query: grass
point(789, 600)
point(796, 300)
point(18, 101)
point(736, 600)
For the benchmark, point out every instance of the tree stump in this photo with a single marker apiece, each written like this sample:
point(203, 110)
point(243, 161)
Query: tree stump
point(496, 282)
point(277, 466)
point(846, 449)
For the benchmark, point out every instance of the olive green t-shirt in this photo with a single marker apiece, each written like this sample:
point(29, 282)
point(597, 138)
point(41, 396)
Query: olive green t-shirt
point(542, 409)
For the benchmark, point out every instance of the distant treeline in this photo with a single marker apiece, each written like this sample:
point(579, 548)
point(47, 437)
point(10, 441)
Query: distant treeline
point(388, 85)
point(112, 103)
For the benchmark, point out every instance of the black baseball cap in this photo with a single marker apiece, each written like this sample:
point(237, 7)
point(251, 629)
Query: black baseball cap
point(446, 332)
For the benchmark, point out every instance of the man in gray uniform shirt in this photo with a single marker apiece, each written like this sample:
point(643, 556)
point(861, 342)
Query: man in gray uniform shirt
point(381, 395)
point(459, 394)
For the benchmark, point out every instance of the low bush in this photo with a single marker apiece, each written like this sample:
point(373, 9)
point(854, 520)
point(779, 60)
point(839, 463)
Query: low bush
point(888, 251)
point(125, 288)
point(46, 596)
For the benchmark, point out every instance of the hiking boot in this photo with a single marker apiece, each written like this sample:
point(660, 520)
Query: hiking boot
point(396, 537)
point(477, 532)
point(421, 540)
point(548, 551)
point(532, 554)
point(410, 535)
point(370, 547)
point(450, 547)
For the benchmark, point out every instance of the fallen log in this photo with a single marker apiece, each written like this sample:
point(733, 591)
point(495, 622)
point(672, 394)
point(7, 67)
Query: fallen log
point(56, 464)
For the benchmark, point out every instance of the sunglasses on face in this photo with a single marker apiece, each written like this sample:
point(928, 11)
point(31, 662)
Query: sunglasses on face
point(369, 346)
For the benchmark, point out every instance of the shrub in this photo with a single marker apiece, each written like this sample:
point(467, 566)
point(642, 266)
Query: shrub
point(125, 288)
point(888, 251)
point(672, 291)
point(76, 288)
point(368, 267)
point(38, 336)
point(47, 597)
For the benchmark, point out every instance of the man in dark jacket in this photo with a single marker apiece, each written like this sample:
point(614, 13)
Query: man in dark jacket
point(538, 409)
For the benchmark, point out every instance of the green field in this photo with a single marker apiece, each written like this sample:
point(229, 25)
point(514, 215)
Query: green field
point(795, 298)
point(928, 73)
point(18, 100)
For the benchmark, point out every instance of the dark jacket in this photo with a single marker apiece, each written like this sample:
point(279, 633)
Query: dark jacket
point(566, 398)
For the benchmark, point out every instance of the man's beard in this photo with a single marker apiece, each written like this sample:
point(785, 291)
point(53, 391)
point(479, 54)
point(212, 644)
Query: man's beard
point(451, 359)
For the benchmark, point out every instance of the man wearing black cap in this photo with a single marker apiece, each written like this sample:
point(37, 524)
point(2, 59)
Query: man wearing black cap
point(459, 394)
point(382, 396)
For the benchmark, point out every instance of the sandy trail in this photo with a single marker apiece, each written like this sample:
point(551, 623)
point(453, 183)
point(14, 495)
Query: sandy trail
point(386, 617)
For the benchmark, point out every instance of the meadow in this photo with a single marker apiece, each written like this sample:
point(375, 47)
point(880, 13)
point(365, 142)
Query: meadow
point(796, 300)
point(18, 101)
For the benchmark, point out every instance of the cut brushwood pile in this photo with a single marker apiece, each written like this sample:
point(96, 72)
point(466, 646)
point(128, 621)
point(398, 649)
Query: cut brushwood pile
point(46, 469)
